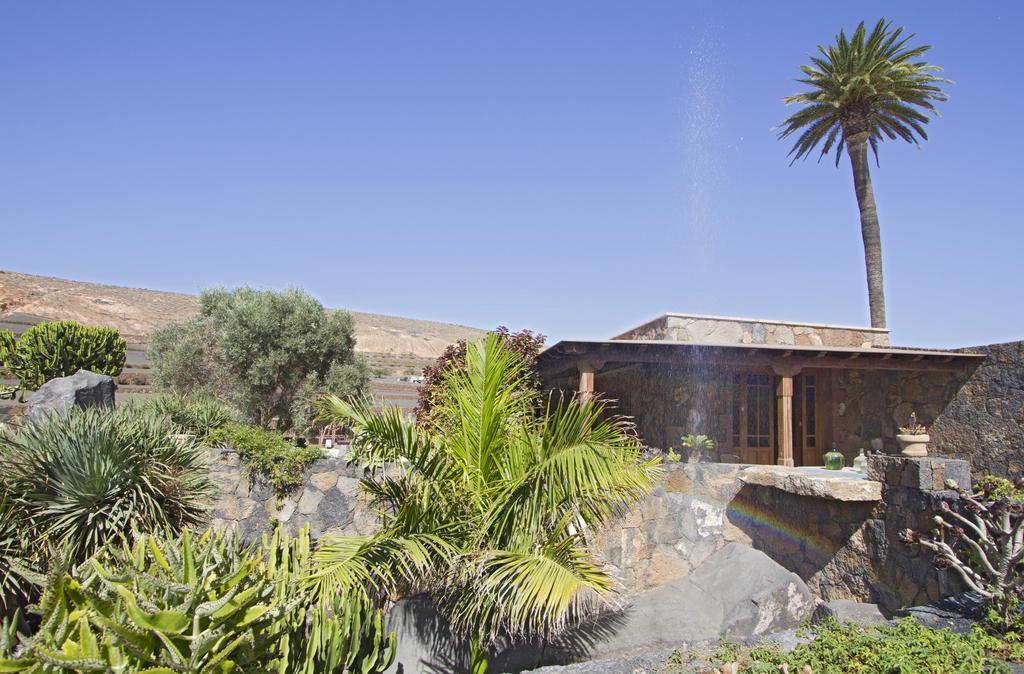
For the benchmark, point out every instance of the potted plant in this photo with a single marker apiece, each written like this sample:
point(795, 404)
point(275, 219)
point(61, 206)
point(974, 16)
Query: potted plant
point(913, 438)
point(700, 447)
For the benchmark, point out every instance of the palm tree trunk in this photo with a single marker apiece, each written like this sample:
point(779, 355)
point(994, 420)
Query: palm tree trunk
point(857, 148)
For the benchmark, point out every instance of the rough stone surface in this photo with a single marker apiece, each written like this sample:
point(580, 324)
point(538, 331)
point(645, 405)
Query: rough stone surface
point(957, 613)
point(723, 330)
point(325, 480)
point(738, 592)
point(329, 500)
point(846, 610)
point(929, 473)
point(841, 549)
point(82, 389)
point(827, 485)
point(984, 422)
point(863, 409)
point(871, 406)
point(975, 416)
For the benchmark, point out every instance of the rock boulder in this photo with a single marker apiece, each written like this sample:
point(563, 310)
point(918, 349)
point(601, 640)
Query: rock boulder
point(83, 389)
point(738, 592)
point(849, 611)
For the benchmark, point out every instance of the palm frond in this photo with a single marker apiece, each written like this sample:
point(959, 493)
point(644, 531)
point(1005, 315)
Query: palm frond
point(487, 505)
point(378, 565)
point(871, 82)
point(480, 402)
point(539, 592)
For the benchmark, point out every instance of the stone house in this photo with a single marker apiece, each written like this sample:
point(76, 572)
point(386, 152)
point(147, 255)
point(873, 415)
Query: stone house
point(767, 392)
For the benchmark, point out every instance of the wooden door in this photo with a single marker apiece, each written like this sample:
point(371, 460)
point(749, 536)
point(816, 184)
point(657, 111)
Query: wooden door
point(753, 417)
point(813, 385)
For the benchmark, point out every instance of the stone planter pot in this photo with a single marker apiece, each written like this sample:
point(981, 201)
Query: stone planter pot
point(915, 446)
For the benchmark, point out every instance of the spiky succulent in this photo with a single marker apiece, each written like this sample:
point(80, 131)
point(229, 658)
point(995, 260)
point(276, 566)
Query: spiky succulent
point(197, 605)
point(92, 477)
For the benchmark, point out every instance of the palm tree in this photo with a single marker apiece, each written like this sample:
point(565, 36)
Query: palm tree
point(863, 90)
point(489, 506)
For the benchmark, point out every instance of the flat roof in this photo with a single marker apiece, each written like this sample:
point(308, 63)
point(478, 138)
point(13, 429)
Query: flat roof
point(566, 353)
point(765, 321)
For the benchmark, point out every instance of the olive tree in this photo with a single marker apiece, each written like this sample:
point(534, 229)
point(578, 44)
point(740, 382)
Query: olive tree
point(259, 350)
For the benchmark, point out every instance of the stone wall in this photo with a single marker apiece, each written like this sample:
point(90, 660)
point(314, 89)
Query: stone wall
point(868, 407)
point(720, 330)
point(669, 402)
point(845, 546)
point(984, 423)
point(840, 535)
point(329, 500)
point(978, 417)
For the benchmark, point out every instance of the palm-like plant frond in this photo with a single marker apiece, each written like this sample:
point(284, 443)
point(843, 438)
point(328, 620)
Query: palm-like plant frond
point(488, 506)
point(873, 83)
point(532, 593)
point(381, 565)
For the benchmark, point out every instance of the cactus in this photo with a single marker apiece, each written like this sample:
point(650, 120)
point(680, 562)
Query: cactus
point(346, 636)
point(198, 606)
point(6, 354)
point(6, 348)
point(61, 348)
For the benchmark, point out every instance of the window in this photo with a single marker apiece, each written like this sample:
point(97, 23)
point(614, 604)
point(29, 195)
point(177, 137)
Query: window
point(810, 412)
point(752, 411)
point(737, 412)
point(759, 410)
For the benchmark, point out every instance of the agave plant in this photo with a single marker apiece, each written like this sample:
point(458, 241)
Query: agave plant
point(14, 586)
point(197, 414)
point(203, 605)
point(488, 506)
point(95, 476)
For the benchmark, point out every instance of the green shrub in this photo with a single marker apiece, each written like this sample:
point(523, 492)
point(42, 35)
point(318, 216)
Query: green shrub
point(994, 487)
point(94, 476)
point(260, 350)
point(202, 606)
point(267, 454)
point(197, 414)
point(61, 348)
point(906, 646)
point(345, 380)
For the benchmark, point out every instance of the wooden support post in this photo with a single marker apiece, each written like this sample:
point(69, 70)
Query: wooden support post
point(586, 389)
point(784, 393)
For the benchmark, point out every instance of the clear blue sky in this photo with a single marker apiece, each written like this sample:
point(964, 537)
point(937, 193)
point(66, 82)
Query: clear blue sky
point(573, 167)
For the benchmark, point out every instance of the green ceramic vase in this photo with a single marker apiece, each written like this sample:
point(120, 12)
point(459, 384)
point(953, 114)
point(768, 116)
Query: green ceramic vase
point(834, 460)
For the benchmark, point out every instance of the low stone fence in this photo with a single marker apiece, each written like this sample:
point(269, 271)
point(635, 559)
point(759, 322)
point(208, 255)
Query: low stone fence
point(329, 500)
point(838, 532)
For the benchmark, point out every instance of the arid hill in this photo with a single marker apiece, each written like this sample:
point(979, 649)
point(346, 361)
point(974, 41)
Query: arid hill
point(391, 341)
